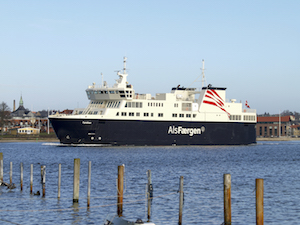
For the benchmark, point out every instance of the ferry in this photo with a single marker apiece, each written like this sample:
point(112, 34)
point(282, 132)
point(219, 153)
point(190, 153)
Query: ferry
point(117, 115)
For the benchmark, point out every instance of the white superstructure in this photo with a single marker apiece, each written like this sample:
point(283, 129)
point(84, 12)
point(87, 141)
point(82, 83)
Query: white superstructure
point(121, 102)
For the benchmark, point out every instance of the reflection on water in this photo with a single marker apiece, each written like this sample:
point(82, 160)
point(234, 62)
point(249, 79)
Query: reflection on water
point(202, 168)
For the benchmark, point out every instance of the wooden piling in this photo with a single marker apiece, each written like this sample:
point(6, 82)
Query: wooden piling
point(259, 185)
point(1, 167)
point(10, 172)
point(227, 199)
point(149, 194)
point(41, 174)
point(21, 177)
point(180, 200)
point(76, 180)
point(89, 184)
point(31, 177)
point(44, 181)
point(120, 190)
point(59, 180)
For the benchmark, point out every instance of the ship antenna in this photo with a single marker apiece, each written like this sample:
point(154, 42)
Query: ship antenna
point(124, 67)
point(203, 75)
point(102, 78)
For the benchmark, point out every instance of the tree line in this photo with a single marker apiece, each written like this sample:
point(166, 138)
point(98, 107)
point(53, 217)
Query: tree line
point(4, 115)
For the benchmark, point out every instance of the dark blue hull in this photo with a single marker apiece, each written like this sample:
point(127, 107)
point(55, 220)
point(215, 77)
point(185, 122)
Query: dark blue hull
point(139, 133)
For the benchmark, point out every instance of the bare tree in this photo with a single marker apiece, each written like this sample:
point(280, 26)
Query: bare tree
point(4, 115)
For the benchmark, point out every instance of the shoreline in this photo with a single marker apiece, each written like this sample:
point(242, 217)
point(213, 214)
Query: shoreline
point(44, 139)
point(278, 139)
point(2, 140)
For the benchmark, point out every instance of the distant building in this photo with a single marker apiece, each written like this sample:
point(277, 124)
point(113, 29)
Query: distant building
point(274, 126)
point(21, 111)
point(23, 118)
point(295, 130)
point(25, 131)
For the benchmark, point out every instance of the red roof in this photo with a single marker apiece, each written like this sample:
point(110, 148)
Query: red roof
point(67, 111)
point(275, 118)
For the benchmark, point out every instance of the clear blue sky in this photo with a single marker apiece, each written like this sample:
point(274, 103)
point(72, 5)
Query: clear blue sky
point(50, 51)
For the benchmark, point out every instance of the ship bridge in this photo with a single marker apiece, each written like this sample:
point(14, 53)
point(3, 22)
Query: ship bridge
point(119, 91)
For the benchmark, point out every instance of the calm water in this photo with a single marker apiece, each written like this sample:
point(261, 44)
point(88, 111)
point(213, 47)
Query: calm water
point(202, 167)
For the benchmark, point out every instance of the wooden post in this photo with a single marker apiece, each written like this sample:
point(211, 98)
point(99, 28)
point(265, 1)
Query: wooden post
point(89, 184)
point(59, 180)
point(259, 185)
point(10, 173)
point(1, 166)
point(31, 177)
point(149, 193)
point(76, 180)
point(41, 174)
point(21, 177)
point(44, 181)
point(180, 200)
point(150, 188)
point(227, 199)
point(120, 189)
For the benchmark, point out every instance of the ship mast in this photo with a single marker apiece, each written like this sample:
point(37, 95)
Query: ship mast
point(203, 75)
point(124, 65)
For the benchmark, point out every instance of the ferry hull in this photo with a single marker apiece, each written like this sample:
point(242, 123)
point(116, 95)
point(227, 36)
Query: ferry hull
point(140, 133)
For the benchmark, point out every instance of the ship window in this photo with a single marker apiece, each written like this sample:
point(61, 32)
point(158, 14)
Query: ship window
point(122, 96)
point(160, 114)
point(95, 112)
point(117, 114)
point(122, 92)
point(146, 114)
point(151, 114)
point(111, 92)
point(175, 104)
point(174, 115)
point(117, 92)
point(131, 114)
point(181, 115)
point(188, 115)
point(137, 114)
point(194, 115)
point(123, 114)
